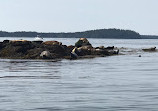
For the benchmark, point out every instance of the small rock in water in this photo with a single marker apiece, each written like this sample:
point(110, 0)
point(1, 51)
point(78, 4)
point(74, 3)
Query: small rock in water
point(140, 56)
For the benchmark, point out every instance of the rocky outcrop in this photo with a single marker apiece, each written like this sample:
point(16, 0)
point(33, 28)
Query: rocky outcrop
point(84, 48)
point(23, 49)
point(82, 42)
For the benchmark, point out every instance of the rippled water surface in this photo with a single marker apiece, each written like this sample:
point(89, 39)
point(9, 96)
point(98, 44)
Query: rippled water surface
point(125, 82)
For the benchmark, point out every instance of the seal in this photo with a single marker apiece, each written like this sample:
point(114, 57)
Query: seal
point(73, 53)
point(52, 43)
point(45, 55)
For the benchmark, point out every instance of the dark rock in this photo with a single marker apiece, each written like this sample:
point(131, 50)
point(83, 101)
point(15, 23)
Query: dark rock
point(1, 45)
point(6, 41)
point(11, 52)
point(33, 53)
point(150, 49)
point(110, 47)
point(73, 56)
point(70, 48)
point(82, 42)
point(20, 42)
point(37, 42)
point(57, 49)
point(22, 46)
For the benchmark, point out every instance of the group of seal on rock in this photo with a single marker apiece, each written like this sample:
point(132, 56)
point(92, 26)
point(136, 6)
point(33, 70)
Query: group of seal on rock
point(24, 49)
point(83, 48)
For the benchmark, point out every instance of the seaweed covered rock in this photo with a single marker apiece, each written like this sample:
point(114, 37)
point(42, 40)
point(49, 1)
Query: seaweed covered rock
point(33, 53)
point(54, 52)
point(57, 49)
point(11, 52)
point(15, 49)
point(20, 42)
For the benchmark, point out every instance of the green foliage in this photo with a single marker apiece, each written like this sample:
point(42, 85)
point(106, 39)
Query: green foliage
point(101, 33)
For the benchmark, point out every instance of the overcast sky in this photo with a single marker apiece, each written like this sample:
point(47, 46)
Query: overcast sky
point(79, 15)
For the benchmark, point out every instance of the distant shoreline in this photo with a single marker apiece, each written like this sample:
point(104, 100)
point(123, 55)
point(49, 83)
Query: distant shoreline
point(100, 33)
point(149, 37)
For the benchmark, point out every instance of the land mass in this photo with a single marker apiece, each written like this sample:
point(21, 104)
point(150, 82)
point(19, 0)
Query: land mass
point(100, 33)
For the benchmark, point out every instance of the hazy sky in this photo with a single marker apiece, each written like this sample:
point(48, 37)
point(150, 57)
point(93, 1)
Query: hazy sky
point(79, 15)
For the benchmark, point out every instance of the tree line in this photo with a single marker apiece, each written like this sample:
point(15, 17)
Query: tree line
point(100, 33)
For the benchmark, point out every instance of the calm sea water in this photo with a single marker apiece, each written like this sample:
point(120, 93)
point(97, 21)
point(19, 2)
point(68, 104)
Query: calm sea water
point(125, 82)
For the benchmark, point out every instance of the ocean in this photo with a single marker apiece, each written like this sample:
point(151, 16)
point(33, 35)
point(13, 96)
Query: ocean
point(115, 83)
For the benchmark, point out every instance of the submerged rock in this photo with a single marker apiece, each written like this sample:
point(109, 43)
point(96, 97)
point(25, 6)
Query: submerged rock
point(150, 49)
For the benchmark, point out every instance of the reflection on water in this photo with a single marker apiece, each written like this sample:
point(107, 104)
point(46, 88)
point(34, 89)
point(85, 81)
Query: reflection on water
point(116, 83)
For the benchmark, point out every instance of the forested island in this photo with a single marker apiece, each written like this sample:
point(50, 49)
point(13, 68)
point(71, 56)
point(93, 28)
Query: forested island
point(100, 33)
